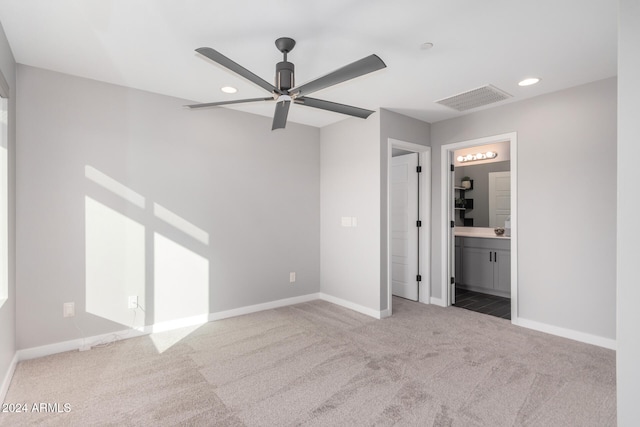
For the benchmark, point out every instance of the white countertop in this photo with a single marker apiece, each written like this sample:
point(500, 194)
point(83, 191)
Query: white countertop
point(482, 232)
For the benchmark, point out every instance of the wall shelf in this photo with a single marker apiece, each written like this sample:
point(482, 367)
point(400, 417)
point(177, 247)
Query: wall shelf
point(464, 205)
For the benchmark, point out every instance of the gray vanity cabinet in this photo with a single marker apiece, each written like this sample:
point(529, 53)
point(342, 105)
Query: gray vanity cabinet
point(485, 265)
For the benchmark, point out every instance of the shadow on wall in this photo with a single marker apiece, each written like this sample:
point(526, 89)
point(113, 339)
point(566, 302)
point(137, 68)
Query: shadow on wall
point(134, 275)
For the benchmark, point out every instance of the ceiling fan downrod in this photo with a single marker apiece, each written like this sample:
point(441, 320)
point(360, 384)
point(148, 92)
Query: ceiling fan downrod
point(285, 69)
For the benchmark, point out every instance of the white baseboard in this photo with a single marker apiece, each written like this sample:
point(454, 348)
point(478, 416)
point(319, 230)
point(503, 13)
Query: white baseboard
point(437, 301)
point(264, 306)
point(75, 344)
point(566, 333)
point(4, 386)
point(377, 314)
point(385, 313)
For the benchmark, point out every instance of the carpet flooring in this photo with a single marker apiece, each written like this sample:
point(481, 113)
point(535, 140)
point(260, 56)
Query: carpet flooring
point(318, 364)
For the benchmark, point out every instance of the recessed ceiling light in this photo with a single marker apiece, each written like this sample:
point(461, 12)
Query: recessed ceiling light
point(228, 89)
point(528, 82)
point(426, 46)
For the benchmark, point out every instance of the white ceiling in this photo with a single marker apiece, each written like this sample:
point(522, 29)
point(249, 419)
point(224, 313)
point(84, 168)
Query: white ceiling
point(149, 45)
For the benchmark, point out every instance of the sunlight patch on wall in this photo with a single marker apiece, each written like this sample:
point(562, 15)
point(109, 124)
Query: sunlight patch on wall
point(114, 186)
point(181, 281)
point(180, 223)
point(115, 263)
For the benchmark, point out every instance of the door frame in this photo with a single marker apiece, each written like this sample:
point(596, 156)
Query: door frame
point(424, 232)
point(446, 206)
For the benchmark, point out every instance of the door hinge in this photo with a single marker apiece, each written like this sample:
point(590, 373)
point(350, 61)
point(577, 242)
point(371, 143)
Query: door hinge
point(453, 280)
point(453, 224)
point(453, 168)
point(418, 223)
point(419, 278)
point(418, 169)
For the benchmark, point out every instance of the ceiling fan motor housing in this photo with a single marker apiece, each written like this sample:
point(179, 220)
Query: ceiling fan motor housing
point(284, 75)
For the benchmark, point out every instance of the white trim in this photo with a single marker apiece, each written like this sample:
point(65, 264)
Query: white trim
point(4, 387)
point(438, 301)
point(264, 306)
point(76, 344)
point(355, 307)
point(424, 261)
point(86, 343)
point(567, 333)
point(170, 325)
point(445, 185)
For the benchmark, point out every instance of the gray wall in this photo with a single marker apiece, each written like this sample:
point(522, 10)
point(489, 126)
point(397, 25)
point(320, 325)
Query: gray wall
point(480, 193)
point(566, 202)
point(353, 174)
point(8, 309)
point(403, 128)
point(255, 192)
point(350, 177)
point(628, 354)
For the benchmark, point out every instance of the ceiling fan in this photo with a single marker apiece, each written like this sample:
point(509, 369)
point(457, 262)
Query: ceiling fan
point(284, 92)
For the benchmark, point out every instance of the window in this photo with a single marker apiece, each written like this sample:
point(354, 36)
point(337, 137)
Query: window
point(4, 191)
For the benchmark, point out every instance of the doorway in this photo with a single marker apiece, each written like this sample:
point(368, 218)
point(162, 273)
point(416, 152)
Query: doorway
point(448, 222)
point(405, 217)
point(422, 199)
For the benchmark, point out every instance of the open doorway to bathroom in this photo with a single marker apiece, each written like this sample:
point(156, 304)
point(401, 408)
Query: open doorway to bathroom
point(482, 209)
point(479, 186)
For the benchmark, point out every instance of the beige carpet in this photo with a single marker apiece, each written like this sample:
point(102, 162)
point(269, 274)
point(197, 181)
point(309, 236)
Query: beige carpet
point(317, 364)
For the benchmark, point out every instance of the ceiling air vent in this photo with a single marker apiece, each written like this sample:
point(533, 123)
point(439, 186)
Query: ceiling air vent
point(474, 98)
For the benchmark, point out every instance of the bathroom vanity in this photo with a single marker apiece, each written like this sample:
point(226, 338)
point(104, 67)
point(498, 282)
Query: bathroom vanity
point(483, 261)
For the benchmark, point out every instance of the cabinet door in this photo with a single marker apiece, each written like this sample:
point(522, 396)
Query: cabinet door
point(477, 267)
point(502, 271)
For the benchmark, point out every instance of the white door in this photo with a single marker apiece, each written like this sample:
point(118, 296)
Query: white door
point(404, 231)
point(499, 198)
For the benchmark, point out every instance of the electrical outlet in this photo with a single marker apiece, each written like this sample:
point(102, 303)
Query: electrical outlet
point(68, 309)
point(133, 301)
point(292, 277)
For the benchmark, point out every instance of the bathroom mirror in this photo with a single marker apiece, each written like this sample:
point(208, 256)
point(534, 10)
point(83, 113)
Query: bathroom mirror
point(490, 194)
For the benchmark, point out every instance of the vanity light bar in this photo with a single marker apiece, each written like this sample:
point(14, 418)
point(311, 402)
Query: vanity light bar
point(479, 156)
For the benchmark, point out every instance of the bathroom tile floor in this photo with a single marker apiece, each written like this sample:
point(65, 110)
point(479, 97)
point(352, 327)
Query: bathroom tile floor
point(483, 303)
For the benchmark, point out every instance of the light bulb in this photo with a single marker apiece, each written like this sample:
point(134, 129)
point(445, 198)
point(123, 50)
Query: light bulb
point(529, 81)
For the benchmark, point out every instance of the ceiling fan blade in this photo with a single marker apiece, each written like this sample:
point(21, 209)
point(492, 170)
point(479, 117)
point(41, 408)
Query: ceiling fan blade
point(280, 116)
point(356, 69)
point(335, 107)
point(216, 56)
point(237, 101)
